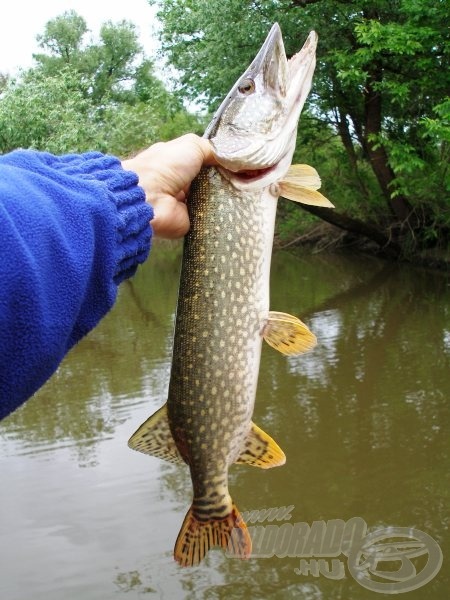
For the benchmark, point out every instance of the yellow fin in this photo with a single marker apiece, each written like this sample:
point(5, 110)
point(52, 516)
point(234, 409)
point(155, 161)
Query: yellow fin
point(155, 438)
point(197, 536)
point(300, 184)
point(260, 450)
point(304, 176)
point(288, 334)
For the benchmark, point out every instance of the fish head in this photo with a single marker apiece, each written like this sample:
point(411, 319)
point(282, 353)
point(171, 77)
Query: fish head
point(253, 133)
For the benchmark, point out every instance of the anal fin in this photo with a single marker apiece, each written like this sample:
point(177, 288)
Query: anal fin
point(288, 334)
point(155, 438)
point(260, 450)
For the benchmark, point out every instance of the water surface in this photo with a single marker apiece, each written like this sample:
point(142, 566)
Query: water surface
point(364, 421)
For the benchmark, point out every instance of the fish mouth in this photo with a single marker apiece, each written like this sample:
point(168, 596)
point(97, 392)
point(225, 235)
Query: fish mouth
point(250, 179)
point(273, 39)
point(257, 178)
point(253, 179)
point(253, 174)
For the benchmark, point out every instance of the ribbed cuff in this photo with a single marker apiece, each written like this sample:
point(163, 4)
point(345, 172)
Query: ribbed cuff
point(133, 230)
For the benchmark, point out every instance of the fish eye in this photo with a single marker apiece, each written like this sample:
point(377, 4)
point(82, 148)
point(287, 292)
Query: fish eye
point(247, 87)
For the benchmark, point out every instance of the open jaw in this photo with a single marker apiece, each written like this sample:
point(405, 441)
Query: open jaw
point(252, 179)
point(253, 174)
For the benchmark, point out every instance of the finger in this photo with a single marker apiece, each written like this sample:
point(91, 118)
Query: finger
point(209, 158)
point(181, 196)
point(170, 219)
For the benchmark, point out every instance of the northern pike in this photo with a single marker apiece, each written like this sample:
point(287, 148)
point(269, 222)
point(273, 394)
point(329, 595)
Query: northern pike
point(223, 304)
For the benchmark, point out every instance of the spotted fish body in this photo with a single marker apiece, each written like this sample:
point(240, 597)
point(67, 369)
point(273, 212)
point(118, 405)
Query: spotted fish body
point(223, 302)
point(223, 305)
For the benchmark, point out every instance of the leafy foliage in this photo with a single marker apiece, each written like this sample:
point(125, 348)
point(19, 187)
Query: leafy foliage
point(48, 113)
point(376, 126)
point(84, 95)
point(379, 101)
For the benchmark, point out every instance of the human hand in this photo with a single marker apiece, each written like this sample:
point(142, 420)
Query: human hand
point(165, 172)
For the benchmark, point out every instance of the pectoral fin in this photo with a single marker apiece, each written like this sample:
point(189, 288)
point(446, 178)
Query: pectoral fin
point(303, 175)
point(155, 438)
point(300, 184)
point(288, 334)
point(260, 450)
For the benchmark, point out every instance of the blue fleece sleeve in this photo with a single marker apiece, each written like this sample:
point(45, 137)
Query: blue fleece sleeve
point(71, 229)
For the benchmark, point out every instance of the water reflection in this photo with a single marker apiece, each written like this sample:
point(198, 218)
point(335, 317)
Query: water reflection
point(364, 421)
point(118, 364)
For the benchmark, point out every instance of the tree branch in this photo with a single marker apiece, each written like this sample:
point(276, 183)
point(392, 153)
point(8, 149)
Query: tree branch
point(355, 226)
point(304, 2)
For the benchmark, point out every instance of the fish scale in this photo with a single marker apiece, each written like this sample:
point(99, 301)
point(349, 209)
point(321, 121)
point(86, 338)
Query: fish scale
point(223, 304)
point(218, 326)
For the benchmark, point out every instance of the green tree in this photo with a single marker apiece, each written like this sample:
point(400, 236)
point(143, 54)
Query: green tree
point(85, 94)
point(63, 39)
point(4, 78)
point(47, 113)
point(379, 89)
point(114, 60)
point(108, 64)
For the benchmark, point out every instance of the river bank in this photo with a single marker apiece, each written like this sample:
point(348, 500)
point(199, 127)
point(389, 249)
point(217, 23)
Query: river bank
point(323, 237)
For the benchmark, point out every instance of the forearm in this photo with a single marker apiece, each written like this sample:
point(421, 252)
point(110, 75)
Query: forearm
point(72, 228)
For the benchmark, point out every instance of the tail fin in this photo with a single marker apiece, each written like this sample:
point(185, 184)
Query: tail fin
point(196, 537)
